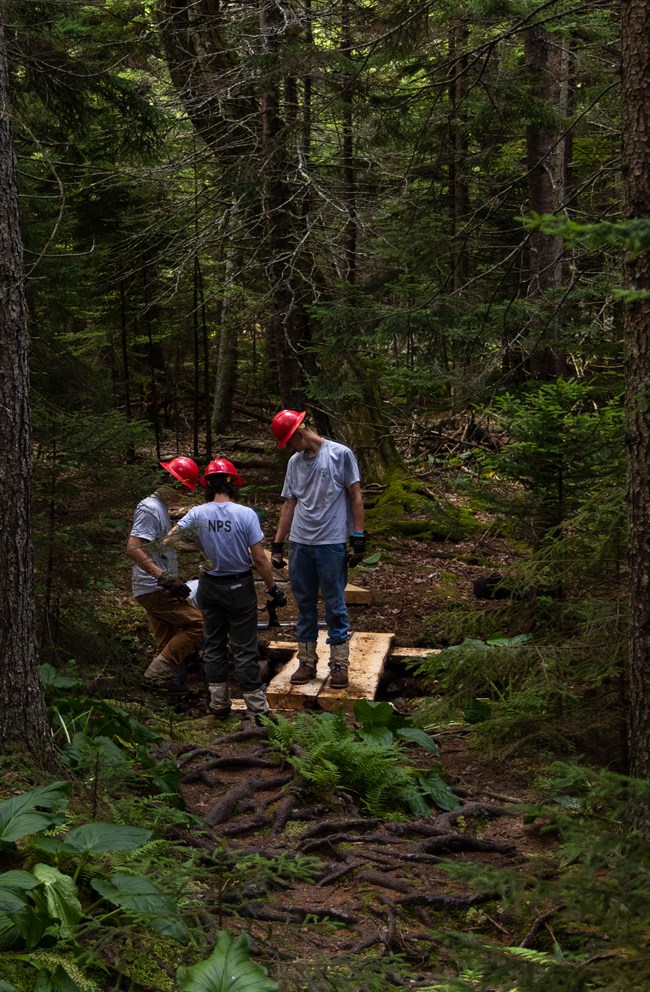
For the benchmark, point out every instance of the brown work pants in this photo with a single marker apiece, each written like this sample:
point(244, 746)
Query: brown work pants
point(176, 625)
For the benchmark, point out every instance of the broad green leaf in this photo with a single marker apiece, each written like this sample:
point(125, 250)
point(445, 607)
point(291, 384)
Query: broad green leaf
point(380, 735)
point(373, 715)
point(58, 897)
point(83, 749)
point(372, 559)
point(52, 679)
point(19, 921)
point(35, 810)
point(98, 838)
point(441, 794)
point(416, 736)
point(228, 969)
point(5, 987)
point(138, 895)
point(55, 981)
point(18, 881)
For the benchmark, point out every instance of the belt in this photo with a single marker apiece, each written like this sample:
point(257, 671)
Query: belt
point(228, 578)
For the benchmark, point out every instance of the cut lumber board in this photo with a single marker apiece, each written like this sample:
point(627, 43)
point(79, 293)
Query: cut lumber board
point(399, 653)
point(357, 595)
point(368, 654)
point(282, 694)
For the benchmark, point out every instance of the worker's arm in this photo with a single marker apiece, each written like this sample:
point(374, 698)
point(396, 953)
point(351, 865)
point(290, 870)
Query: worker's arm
point(356, 507)
point(262, 565)
point(136, 550)
point(286, 517)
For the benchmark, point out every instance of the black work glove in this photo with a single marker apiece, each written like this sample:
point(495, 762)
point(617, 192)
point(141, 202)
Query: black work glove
point(277, 596)
point(357, 549)
point(277, 556)
point(175, 586)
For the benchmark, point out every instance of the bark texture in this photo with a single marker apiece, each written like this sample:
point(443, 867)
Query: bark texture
point(548, 60)
point(23, 717)
point(636, 173)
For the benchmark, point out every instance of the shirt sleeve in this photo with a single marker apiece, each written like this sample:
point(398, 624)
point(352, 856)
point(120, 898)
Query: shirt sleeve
point(145, 525)
point(351, 473)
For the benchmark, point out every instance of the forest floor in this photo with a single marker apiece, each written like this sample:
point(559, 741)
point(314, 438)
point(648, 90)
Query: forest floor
point(378, 892)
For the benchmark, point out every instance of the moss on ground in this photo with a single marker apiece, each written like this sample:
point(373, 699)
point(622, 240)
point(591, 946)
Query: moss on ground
point(405, 509)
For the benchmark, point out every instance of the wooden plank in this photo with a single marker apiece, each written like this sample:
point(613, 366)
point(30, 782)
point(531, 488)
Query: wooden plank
point(368, 654)
point(357, 595)
point(398, 653)
point(282, 694)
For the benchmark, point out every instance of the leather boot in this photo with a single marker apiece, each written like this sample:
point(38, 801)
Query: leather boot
point(339, 662)
point(307, 660)
point(219, 704)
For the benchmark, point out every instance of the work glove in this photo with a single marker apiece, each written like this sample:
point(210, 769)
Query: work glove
point(277, 556)
point(357, 549)
point(175, 586)
point(277, 596)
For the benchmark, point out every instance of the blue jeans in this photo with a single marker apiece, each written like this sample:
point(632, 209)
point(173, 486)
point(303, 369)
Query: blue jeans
point(313, 567)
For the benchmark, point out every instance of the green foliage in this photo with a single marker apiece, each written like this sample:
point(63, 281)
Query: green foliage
point(228, 969)
point(563, 451)
point(328, 754)
point(525, 693)
point(33, 811)
point(584, 909)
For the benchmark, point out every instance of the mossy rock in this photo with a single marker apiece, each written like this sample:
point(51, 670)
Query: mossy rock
point(405, 509)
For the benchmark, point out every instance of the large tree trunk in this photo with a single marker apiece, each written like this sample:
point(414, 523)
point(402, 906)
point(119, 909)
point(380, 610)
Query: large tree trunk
point(23, 715)
point(636, 174)
point(548, 60)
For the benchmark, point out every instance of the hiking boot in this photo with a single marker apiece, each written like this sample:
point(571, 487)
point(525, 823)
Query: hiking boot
point(339, 661)
point(339, 677)
point(219, 704)
point(160, 669)
point(303, 673)
point(307, 661)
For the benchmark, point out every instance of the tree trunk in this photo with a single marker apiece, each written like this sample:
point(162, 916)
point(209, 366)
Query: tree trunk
point(23, 715)
point(548, 60)
point(636, 175)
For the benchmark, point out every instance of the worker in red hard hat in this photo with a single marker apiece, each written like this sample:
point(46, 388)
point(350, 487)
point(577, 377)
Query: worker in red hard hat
point(230, 537)
point(176, 625)
point(322, 510)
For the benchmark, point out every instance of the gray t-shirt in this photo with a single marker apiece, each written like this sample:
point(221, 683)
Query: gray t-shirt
point(225, 532)
point(322, 514)
point(151, 522)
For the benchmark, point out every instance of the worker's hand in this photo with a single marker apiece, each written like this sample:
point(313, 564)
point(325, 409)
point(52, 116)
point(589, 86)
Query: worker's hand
point(277, 596)
point(357, 549)
point(277, 554)
point(175, 586)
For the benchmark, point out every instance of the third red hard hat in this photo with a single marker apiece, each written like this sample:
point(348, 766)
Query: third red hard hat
point(183, 469)
point(285, 423)
point(221, 466)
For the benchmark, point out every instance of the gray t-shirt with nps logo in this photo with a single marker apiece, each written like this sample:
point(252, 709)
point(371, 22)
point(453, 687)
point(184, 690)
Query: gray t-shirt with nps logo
point(225, 532)
point(320, 487)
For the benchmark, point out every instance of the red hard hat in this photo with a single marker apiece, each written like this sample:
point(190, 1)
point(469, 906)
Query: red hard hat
point(185, 470)
point(221, 466)
point(285, 423)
